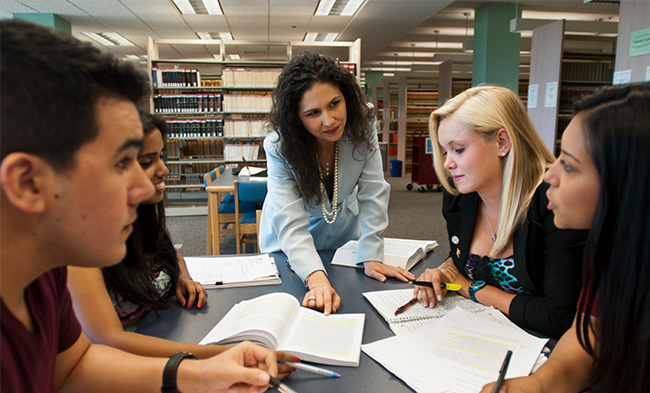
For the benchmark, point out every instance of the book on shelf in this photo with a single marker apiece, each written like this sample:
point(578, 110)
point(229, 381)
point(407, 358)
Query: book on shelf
point(233, 271)
point(404, 253)
point(277, 321)
point(175, 77)
point(417, 316)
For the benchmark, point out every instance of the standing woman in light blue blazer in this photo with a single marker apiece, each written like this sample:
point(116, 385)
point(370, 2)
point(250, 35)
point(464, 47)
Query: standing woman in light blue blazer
point(326, 181)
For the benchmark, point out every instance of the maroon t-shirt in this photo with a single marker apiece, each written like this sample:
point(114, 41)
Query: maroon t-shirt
point(27, 358)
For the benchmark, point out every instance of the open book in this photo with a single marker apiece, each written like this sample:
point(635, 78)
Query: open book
point(233, 271)
point(397, 252)
point(418, 316)
point(277, 321)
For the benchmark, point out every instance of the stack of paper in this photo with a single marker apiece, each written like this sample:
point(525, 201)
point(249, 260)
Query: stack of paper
point(233, 271)
point(460, 353)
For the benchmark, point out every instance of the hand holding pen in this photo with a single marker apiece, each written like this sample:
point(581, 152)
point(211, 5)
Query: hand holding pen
point(447, 286)
point(435, 291)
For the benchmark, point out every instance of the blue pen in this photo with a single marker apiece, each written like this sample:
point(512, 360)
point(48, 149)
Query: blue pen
point(312, 369)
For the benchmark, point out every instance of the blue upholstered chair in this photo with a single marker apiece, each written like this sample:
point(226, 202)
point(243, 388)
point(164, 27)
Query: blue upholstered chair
point(247, 222)
point(222, 216)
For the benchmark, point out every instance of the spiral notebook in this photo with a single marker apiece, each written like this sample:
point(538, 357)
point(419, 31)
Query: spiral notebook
point(386, 302)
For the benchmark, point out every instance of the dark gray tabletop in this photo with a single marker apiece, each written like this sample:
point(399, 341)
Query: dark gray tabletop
point(185, 325)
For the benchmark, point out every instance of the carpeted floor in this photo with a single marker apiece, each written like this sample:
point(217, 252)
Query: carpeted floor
point(412, 215)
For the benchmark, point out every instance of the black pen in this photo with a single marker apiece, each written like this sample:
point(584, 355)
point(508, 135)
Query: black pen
point(502, 372)
point(447, 286)
point(276, 383)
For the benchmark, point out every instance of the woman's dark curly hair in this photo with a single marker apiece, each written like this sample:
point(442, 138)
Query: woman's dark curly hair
point(297, 145)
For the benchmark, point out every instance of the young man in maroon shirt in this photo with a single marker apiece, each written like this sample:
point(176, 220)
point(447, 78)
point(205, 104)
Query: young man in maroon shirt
point(70, 185)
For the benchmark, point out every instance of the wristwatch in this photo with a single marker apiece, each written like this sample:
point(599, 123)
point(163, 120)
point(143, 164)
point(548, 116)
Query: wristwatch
point(474, 287)
point(169, 373)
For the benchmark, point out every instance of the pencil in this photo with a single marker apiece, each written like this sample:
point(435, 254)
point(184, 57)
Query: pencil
point(313, 369)
point(403, 308)
point(447, 286)
point(502, 372)
point(276, 383)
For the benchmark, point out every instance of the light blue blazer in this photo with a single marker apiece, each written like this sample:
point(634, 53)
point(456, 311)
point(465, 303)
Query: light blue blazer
point(296, 227)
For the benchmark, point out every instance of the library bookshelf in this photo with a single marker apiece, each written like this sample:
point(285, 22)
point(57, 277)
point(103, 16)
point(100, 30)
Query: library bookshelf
point(419, 105)
point(216, 107)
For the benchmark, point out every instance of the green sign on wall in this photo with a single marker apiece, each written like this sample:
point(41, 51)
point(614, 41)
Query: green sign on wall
point(640, 42)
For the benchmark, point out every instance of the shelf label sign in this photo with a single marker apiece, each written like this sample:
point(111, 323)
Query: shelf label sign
point(428, 146)
point(622, 77)
point(533, 90)
point(640, 42)
point(550, 100)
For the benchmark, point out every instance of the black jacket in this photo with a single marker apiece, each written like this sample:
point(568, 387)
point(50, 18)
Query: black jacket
point(548, 261)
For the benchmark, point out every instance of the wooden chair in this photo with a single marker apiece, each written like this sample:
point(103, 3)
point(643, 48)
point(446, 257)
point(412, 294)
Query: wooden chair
point(224, 220)
point(247, 223)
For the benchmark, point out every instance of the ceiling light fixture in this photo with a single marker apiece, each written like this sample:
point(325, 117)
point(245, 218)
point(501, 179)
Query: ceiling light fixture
point(352, 7)
point(109, 39)
point(324, 7)
point(310, 37)
point(202, 7)
point(330, 37)
point(223, 36)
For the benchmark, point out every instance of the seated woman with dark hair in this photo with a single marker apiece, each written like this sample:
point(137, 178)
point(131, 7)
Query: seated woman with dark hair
point(109, 302)
point(601, 182)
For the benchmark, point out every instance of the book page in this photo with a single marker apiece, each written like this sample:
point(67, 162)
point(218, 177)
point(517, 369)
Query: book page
point(397, 252)
point(461, 353)
point(346, 255)
point(386, 302)
point(334, 339)
point(231, 270)
point(262, 319)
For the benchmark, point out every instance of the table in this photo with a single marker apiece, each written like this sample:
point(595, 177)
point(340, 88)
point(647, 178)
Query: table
point(224, 183)
point(179, 324)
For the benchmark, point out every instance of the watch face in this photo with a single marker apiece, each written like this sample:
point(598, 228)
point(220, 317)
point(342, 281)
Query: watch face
point(477, 284)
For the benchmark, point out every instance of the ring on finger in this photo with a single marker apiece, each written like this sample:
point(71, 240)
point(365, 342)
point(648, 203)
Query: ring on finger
point(311, 298)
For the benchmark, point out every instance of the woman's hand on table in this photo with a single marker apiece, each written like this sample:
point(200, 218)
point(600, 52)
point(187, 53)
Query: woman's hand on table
point(194, 291)
point(379, 271)
point(321, 295)
point(445, 273)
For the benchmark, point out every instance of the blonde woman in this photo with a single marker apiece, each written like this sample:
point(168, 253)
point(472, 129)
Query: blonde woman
point(505, 250)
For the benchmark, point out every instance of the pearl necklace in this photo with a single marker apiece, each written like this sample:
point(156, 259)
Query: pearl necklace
point(330, 217)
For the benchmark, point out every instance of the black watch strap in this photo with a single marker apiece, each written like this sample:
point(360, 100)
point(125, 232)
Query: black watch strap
point(169, 373)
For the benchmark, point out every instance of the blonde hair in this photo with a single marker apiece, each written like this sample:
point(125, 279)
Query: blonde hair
point(484, 110)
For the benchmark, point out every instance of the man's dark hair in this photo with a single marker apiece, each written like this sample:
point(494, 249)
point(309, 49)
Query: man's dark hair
point(50, 84)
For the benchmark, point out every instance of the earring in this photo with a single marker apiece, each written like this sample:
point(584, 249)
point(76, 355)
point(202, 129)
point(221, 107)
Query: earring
point(503, 154)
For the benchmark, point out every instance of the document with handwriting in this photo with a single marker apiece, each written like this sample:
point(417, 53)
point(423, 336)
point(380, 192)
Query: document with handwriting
point(416, 316)
point(460, 353)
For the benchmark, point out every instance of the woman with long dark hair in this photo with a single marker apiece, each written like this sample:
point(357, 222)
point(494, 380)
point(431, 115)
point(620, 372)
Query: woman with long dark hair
point(326, 181)
point(152, 275)
point(601, 182)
